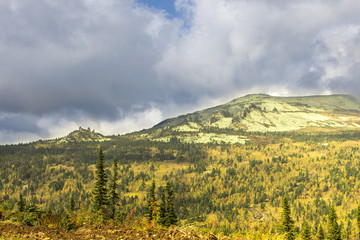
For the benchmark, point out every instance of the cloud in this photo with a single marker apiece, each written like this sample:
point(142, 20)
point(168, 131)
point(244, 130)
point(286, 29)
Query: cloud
point(239, 45)
point(119, 66)
point(93, 56)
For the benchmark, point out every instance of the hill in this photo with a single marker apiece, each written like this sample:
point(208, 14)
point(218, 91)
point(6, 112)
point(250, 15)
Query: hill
point(260, 113)
point(81, 135)
point(228, 181)
point(264, 113)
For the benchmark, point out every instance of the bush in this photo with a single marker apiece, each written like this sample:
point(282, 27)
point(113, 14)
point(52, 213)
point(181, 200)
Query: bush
point(66, 224)
point(50, 219)
point(30, 219)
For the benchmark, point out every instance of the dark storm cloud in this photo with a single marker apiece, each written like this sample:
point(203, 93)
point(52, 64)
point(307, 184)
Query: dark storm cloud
point(96, 57)
point(349, 84)
point(310, 80)
point(19, 123)
point(119, 66)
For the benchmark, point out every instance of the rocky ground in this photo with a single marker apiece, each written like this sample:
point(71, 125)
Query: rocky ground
point(14, 231)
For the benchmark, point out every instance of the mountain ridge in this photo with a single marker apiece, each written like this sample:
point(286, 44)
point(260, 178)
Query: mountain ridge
point(256, 112)
point(249, 113)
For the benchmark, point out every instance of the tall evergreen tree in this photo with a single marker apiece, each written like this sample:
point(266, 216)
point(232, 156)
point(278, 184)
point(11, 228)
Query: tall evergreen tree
point(21, 203)
point(100, 192)
point(287, 222)
point(114, 196)
point(152, 204)
point(320, 234)
point(305, 234)
point(171, 218)
point(162, 210)
point(333, 227)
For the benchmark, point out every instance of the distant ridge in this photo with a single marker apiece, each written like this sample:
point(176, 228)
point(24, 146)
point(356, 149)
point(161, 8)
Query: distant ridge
point(262, 112)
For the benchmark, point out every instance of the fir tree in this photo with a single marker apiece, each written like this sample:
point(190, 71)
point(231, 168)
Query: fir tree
point(171, 218)
point(333, 227)
point(21, 203)
point(306, 234)
point(287, 222)
point(152, 202)
point(114, 196)
point(320, 234)
point(100, 198)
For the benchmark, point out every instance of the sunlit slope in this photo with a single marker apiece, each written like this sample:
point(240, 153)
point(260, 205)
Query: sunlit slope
point(264, 113)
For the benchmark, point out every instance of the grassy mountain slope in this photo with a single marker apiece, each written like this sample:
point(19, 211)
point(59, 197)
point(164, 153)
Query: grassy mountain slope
point(265, 113)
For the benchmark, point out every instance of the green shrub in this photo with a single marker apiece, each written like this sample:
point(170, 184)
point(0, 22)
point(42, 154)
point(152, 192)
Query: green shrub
point(30, 219)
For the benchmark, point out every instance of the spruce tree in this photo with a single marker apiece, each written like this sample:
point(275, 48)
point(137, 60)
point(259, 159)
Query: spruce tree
point(171, 218)
point(152, 202)
point(21, 203)
point(162, 210)
point(333, 227)
point(305, 234)
point(287, 222)
point(100, 197)
point(114, 196)
point(320, 234)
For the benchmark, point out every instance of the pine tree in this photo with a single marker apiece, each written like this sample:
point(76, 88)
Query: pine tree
point(306, 234)
point(21, 203)
point(152, 202)
point(162, 210)
point(333, 227)
point(100, 198)
point(171, 218)
point(114, 196)
point(320, 234)
point(287, 222)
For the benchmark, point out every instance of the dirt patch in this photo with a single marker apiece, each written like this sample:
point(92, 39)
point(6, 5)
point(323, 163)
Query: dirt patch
point(10, 230)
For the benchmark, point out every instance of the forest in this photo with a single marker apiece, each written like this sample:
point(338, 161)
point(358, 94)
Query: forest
point(234, 190)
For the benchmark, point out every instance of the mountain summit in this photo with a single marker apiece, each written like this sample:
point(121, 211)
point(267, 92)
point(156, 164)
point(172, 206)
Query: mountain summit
point(82, 135)
point(265, 113)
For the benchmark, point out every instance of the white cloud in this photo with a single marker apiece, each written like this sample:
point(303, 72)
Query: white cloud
point(258, 44)
point(89, 63)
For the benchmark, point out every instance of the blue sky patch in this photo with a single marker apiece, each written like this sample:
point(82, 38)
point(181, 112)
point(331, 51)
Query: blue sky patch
point(167, 5)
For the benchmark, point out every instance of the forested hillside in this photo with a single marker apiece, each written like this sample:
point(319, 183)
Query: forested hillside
point(227, 189)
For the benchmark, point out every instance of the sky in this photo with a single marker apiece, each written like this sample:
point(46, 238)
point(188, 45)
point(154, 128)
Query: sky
point(121, 66)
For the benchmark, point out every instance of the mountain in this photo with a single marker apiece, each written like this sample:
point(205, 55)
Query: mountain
point(265, 113)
